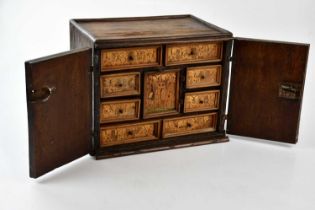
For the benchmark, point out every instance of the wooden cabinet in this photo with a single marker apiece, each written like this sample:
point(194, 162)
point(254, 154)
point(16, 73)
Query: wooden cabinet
point(134, 85)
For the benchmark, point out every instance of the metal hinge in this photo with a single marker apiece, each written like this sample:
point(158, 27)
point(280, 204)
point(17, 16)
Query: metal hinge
point(225, 117)
point(230, 58)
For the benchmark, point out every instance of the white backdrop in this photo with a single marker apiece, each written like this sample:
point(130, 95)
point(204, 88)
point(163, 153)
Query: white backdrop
point(242, 174)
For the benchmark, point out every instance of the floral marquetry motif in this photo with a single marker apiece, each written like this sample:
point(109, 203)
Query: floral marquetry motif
point(195, 52)
point(203, 76)
point(113, 59)
point(129, 133)
point(119, 110)
point(161, 93)
point(113, 85)
point(201, 101)
point(189, 125)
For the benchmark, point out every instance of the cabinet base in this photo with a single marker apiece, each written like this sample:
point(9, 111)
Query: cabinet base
point(165, 144)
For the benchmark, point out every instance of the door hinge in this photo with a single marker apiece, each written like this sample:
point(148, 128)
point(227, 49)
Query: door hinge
point(225, 117)
point(230, 58)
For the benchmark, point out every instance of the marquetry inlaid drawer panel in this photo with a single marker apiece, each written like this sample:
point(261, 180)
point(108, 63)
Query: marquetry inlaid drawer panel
point(126, 58)
point(193, 53)
point(113, 85)
point(201, 101)
point(203, 76)
point(189, 125)
point(161, 93)
point(128, 133)
point(114, 111)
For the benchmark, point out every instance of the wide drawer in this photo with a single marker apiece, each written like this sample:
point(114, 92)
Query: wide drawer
point(189, 125)
point(203, 76)
point(193, 53)
point(115, 111)
point(128, 133)
point(126, 58)
point(113, 85)
point(201, 101)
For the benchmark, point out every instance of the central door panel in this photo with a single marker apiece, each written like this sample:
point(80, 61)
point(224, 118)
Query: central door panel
point(161, 93)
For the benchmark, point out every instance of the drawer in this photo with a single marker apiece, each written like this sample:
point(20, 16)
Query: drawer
point(161, 93)
point(201, 101)
point(189, 125)
point(128, 133)
point(113, 85)
point(114, 111)
point(203, 76)
point(193, 53)
point(126, 58)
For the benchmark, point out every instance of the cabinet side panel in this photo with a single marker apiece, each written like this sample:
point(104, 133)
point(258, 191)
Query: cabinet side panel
point(79, 39)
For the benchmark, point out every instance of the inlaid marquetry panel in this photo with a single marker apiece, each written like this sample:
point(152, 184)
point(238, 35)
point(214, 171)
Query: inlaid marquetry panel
point(189, 125)
point(128, 133)
point(203, 76)
point(161, 92)
point(114, 111)
point(126, 58)
point(193, 53)
point(201, 101)
point(113, 85)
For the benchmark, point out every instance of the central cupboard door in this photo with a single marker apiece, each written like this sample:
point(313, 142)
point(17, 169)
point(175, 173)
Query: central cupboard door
point(161, 93)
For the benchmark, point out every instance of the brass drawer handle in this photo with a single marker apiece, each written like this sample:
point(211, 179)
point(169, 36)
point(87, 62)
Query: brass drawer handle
point(41, 95)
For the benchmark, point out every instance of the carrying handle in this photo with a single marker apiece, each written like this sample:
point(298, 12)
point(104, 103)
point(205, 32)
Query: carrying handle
point(41, 95)
point(289, 90)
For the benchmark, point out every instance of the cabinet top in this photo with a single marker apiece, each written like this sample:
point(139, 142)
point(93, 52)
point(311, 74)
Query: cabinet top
point(153, 28)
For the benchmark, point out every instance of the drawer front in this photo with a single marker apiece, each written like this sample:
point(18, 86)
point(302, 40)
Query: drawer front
point(129, 133)
point(114, 85)
point(119, 110)
point(161, 93)
point(189, 125)
point(193, 53)
point(203, 76)
point(126, 58)
point(201, 101)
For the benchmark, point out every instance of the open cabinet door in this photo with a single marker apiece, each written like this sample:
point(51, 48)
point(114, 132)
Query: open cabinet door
point(59, 109)
point(266, 88)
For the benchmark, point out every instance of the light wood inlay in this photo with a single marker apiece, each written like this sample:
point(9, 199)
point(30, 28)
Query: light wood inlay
point(203, 76)
point(114, 111)
point(128, 133)
point(201, 101)
point(193, 53)
point(126, 58)
point(161, 92)
point(189, 125)
point(113, 85)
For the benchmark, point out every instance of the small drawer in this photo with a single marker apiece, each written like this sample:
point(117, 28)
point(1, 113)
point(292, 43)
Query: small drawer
point(115, 111)
point(193, 53)
point(126, 58)
point(129, 133)
point(113, 85)
point(201, 101)
point(189, 125)
point(203, 76)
